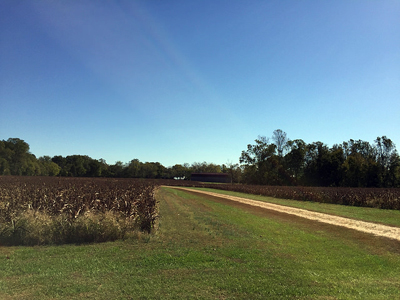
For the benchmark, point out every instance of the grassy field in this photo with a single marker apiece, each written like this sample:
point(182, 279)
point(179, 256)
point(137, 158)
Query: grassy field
point(206, 249)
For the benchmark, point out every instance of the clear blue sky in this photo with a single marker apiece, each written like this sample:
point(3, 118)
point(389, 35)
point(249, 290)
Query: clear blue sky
point(191, 81)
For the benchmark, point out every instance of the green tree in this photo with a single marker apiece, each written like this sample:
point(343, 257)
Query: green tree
point(315, 171)
point(5, 158)
point(387, 159)
point(295, 158)
point(4, 167)
point(204, 167)
point(116, 170)
point(178, 171)
point(48, 167)
point(256, 161)
point(134, 168)
point(18, 156)
point(153, 170)
point(234, 170)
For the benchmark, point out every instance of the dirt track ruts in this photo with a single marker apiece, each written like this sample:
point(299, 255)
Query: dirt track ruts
point(368, 227)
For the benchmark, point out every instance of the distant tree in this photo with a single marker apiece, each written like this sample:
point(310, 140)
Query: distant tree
point(188, 170)
point(334, 166)
point(15, 158)
point(388, 160)
point(178, 171)
point(314, 158)
point(325, 169)
point(62, 163)
point(234, 170)
point(116, 170)
point(94, 168)
point(161, 170)
point(294, 159)
point(385, 148)
point(77, 165)
point(5, 158)
point(4, 167)
point(256, 161)
point(133, 169)
point(48, 167)
point(258, 153)
point(153, 170)
point(204, 167)
point(18, 160)
point(280, 140)
point(250, 174)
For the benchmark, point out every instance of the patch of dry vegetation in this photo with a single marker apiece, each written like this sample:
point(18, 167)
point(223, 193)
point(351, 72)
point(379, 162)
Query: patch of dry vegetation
point(43, 210)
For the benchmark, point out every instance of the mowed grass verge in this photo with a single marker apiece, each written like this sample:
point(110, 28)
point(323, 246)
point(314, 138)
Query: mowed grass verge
point(376, 215)
point(205, 249)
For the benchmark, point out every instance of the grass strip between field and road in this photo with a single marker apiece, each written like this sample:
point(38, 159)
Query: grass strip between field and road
point(205, 248)
point(376, 215)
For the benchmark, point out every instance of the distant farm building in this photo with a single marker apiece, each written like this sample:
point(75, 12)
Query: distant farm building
point(211, 177)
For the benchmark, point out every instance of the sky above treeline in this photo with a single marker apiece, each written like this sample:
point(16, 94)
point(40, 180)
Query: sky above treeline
point(191, 81)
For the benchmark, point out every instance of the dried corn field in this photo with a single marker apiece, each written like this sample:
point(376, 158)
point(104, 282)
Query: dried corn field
point(127, 204)
point(384, 198)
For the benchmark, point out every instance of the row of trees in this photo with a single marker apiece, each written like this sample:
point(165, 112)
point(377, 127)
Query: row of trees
point(15, 159)
point(355, 163)
point(275, 161)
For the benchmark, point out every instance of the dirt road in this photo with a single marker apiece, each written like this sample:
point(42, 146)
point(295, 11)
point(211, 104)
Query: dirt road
point(368, 227)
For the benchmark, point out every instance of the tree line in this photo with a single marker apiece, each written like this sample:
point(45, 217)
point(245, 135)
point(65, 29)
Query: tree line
point(269, 161)
point(356, 163)
point(15, 159)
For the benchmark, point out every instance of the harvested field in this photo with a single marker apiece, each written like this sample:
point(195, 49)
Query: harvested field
point(46, 210)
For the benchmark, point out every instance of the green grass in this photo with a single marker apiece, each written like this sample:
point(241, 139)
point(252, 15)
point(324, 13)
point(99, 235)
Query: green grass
point(204, 249)
point(384, 216)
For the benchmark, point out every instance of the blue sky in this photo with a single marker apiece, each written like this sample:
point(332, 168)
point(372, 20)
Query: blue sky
point(190, 81)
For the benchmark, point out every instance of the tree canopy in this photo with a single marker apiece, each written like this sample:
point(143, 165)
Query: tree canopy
point(293, 162)
point(275, 161)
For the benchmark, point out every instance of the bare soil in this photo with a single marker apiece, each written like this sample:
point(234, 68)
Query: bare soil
point(369, 228)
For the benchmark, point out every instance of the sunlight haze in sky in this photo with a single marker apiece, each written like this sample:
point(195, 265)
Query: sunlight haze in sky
point(191, 81)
